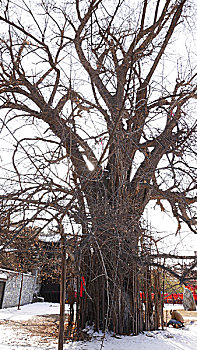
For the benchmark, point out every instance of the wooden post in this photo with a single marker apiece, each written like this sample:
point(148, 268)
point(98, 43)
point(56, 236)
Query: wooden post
point(146, 301)
point(78, 304)
point(20, 295)
point(62, 293)
point(162, 305)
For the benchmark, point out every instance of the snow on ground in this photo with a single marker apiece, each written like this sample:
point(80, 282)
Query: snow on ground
point(26, 312)
point(19, 339)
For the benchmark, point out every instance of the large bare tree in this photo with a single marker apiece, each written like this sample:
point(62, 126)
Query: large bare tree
point(111, 109)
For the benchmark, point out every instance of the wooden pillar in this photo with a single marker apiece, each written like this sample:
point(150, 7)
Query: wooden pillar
point(62, 294)
point(21, 289)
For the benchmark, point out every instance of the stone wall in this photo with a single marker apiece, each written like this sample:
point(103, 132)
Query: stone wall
point(13, 286)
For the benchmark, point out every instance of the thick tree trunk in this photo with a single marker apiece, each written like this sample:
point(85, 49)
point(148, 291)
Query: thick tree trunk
point(115, 276)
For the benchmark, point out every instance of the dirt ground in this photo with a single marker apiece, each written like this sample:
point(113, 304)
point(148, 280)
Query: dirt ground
point(46, 326)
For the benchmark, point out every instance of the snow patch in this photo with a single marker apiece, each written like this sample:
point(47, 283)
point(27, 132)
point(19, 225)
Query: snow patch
point(170, 338)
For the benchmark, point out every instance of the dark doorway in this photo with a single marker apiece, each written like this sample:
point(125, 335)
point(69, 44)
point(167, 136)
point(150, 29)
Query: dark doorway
point(50, 292)
point(2, 288)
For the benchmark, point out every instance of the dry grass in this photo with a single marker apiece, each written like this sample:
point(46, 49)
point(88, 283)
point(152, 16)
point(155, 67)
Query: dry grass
point(46, 327)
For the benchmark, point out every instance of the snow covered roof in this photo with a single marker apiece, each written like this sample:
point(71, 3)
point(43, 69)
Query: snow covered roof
point(3, 276)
